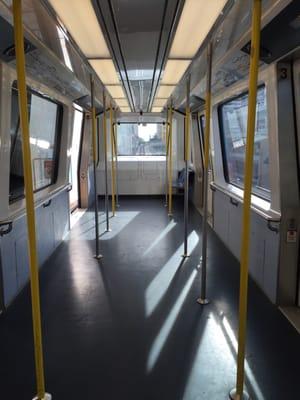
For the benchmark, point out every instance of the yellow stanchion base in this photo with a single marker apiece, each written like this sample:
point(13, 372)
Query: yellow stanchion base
point(234, 396)
point(46, 397)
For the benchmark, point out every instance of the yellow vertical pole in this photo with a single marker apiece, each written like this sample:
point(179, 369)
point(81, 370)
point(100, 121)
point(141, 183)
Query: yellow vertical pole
point(113, 175)
point(30, 212)
point(186, 159)
point(203, 262)
point(105, 163)
point(187, 133)
point(167, 155)
point(238, 393)
point(170, 161)
point(98, 256)
point(115, 132)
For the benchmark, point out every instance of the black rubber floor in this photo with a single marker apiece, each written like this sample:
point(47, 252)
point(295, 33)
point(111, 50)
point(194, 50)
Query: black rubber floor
point(129, 327)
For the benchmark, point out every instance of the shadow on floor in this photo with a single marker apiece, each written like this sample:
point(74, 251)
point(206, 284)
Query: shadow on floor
point(129, 326)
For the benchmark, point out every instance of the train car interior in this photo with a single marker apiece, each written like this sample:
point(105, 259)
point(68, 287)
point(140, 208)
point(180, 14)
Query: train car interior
point(149, 202)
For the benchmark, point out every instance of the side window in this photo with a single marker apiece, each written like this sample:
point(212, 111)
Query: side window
point(44, 125)
point(233, 123)
point(141, 139)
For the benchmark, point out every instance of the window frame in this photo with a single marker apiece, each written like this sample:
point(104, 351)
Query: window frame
point(222, 142)
point(57, 141)
point(200, 138)
point(138, 155)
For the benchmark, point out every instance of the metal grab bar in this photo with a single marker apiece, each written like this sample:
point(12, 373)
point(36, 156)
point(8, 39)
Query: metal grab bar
point(234, 202)
point(47, 204)
point(8, 224)
point(271, 227)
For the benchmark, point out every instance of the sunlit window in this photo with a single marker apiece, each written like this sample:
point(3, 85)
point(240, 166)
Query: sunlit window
point(233, 121)
point(44, 117)
point(141, 139)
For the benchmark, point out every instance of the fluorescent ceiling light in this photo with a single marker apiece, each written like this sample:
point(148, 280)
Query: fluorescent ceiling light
point(122, 102)
point(165, 90)
point(174, 71)
point(159, 102)
point(157, 109)
point(197, 19)
point(106, 71)
point(116, 91)
point(125, 109)
point(79, 18)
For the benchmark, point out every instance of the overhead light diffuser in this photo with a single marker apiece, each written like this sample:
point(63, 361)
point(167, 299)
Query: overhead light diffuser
point(174, 71)
point(197, 19)
point(106, 71)
point(116, 91)
point(159, 102)
point(122, 102)
point(157, 109)
point(165, 90)
point(125, 109)
point(79, 18)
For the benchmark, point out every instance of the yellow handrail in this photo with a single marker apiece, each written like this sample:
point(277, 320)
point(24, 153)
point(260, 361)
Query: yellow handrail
point(244, 266)
point(113, 177)
point(187, 134)
point(170, 152)
point(207, 110)
point(94, 130)
point(98, 256)
point(29, 196)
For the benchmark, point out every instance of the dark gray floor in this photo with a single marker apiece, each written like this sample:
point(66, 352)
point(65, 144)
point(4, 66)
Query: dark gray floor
point(130, 328)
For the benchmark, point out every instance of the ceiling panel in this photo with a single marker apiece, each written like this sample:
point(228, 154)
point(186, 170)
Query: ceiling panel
point(138, 33)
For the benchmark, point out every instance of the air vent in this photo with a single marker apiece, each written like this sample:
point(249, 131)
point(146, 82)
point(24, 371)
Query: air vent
point(10, 52)
point(265, 54)
point(7, 47)
point(295, 24)
point(281, 35)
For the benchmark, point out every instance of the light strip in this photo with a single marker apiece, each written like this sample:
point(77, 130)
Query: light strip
point(106, 71)
point(165, 90)
point(125, 109)
point(157, 109)
point(116, 91)
point(158, 102)
point(80, 20)
point(197, 19)
point(122, 102)
point(174, 71)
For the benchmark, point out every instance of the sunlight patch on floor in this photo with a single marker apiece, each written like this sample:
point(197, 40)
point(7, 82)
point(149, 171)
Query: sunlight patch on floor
point(169, 323)
point(160, 237)
point(75, 216)
point(213, 368)
point(159, 285)
point(117, 223)
point(248, 371)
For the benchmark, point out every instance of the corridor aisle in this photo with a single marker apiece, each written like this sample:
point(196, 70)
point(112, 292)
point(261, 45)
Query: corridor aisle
point(129, 327)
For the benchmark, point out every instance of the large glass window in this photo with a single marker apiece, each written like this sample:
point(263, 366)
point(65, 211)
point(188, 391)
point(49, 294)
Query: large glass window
point(233, 121)
point(44, 117)
point(141, 139)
